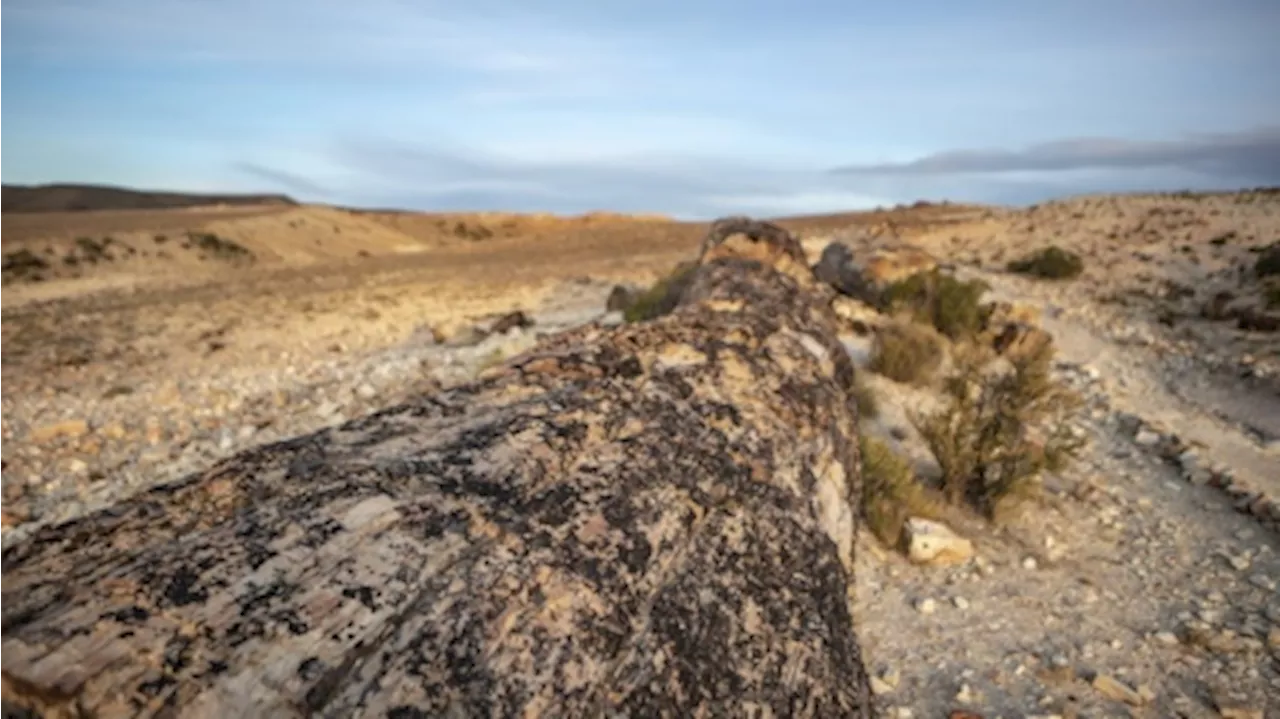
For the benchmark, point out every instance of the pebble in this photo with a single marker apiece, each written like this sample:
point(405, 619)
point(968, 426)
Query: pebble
point(1114, 689)
point(1272, 613)
point(960, 603)
point(1262, 581)
point(880, 687)
point(1030, 563)
point(1146, 438)
point(1166, 638)
point(926, 606)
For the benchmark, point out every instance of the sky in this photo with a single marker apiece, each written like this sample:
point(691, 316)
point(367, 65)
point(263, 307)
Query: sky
point(693, 108)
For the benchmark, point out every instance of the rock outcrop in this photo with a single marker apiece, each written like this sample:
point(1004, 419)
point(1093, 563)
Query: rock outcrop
point(864, 275)
point(656, 519)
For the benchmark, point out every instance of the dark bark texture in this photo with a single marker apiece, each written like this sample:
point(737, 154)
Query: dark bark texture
point(655, 519)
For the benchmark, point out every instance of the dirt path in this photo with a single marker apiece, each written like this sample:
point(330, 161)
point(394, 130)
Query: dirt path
point(1234, 425)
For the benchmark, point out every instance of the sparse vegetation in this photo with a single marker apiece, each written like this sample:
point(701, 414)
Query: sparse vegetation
point(906, 351)
point(1051, 263)
point(219, 247)
point(24, 265)
point(865, 398)
point(663, 297)
point(1271, 296)
point(479, 232)
point(1268, 262)
point(92, 250)
point(938, 298)
point(1001, 429)
point(890, 492)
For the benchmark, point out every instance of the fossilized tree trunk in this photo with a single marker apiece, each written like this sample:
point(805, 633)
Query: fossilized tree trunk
point(649, 520)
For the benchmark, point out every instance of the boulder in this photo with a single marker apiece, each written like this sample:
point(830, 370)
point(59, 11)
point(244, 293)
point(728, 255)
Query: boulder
point(865, 275)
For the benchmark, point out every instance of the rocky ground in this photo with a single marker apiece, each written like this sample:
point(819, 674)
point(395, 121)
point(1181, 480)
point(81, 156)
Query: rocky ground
point(1145, 583)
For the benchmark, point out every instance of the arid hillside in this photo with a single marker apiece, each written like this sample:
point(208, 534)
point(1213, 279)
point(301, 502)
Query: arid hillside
point(61, 254)
point(81, 198)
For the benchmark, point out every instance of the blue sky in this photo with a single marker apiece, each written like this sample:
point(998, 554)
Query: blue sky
point(690, 108)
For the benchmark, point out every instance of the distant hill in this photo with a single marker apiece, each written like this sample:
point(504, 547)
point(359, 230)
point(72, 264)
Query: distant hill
point(78, 198)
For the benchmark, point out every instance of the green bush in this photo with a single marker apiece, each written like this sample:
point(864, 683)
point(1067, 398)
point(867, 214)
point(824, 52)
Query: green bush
point(663, 296)
point(906, 351)
point(890, 492)
point(1051, 263)
point(938, 298)
point(985, 439)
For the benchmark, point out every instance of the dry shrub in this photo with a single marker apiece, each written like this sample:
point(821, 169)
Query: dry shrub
point(890, 492)
point(938, 298)
point(1268, 262)
point(906, 351)
point(1050, 263)
point(865, 398)
point(663, 297)
point(1271, 296)
point(1001, 428)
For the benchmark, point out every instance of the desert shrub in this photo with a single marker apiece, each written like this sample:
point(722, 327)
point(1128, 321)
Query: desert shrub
point(93, 250)
point(938, 298)
point(1051, 263)
point(1000, 429)
point(471, 232)
point(890, 492)
point(1271, 296)
point(219, 247)
point(663, 296)
point(24, 265)
point(906, 352)
point(1268, 262)
point(865, 398)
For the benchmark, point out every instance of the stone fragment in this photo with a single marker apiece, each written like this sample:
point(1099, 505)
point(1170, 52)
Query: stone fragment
point(934, 543)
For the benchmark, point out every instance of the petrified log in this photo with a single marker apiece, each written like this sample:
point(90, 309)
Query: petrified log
point(649, 520)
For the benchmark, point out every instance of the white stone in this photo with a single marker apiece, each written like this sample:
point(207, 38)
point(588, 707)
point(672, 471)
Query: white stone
point(1146, 438)
point(930, 542)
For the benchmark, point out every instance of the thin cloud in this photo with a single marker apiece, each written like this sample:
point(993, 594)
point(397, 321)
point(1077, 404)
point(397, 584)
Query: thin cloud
point(683, 185)
point(520, 51)
point(388, 172)
point(1252, 154)
point(283, 179)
